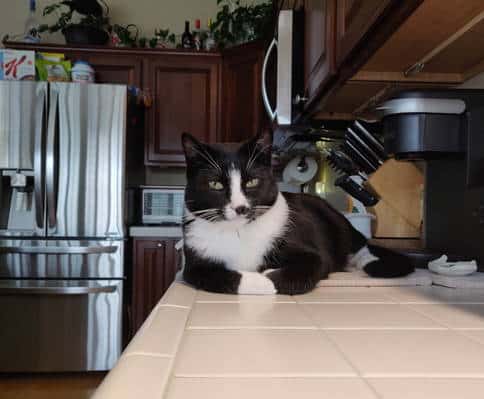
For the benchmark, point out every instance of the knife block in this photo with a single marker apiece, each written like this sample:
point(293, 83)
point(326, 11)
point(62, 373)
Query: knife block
point(400, 209)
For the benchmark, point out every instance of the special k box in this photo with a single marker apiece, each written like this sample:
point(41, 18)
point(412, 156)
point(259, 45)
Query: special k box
point(18, 65)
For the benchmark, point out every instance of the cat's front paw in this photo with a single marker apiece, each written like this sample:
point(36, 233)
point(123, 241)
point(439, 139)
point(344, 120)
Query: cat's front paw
point(253, 283)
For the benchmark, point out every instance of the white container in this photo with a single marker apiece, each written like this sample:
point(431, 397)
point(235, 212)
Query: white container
point(361, 222)
point(82, 72)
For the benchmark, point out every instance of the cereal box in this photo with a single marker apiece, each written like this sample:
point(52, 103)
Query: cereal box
point(1, 64)
point(18, 65)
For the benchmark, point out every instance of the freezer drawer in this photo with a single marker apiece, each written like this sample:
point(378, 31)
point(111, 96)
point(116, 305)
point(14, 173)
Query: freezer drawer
point(53, 326)
point(61, 259)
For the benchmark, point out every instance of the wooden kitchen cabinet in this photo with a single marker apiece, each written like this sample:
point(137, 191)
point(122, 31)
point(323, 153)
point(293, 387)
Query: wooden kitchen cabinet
point(354, 18)
point(319, 44)
point(186, 99)
point(154, 268)
point(243, 114)
point(215, 96)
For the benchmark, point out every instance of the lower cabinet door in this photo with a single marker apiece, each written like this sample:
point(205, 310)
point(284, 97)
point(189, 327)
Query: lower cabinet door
point(154, 269)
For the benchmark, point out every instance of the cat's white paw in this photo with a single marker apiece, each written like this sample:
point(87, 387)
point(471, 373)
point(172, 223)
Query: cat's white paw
point(253, 283)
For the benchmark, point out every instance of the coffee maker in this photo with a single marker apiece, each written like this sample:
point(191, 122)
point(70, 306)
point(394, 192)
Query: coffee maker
point(445, 129)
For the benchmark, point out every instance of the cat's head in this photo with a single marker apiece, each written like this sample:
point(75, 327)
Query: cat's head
point(228, 185)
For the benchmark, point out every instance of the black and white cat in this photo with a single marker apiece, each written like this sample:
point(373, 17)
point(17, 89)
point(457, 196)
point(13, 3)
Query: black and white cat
point(241, 235)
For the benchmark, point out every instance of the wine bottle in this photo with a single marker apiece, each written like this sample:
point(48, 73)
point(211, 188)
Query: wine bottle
point(197, 36)
point(187, 37)
point(31, 34)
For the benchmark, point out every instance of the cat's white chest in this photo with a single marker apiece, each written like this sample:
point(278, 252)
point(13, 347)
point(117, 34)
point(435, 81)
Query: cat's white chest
point(239, 246)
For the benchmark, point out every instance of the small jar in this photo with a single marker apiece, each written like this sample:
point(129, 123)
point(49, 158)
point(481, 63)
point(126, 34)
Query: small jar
point(82, 72)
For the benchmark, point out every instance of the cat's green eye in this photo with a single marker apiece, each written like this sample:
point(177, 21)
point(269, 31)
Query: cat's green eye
point(215, 185)
point(252, 183)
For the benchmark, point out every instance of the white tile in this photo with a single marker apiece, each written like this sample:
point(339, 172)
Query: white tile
point(454, 315)
point(345, 294)
point(179, 294)
point(248, 315)
point(280, 388)
point(476, 335)
point(428, 388)
point(259, 353)
point(209, 297)
point(136, 376)
point(162, 334)
point(411, 353)
point(434, 294)
point(367, 316)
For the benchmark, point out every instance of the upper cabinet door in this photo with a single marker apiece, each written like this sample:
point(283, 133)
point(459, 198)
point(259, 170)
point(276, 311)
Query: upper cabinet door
point(242, 103)
point(186, 99)
point(319, 44)
point(117, 69)
point(354, 19)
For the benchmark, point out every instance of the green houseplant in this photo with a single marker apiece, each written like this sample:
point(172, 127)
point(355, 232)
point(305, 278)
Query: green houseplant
point(237, 24)
point(90, 28)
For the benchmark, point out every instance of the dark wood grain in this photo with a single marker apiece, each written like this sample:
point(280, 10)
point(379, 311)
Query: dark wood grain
point(186, 100)
point(153, 270)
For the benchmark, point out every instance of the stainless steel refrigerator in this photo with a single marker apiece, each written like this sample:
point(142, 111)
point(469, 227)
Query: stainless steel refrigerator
point(62, 149)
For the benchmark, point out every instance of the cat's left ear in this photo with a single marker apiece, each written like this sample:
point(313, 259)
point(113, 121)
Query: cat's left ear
point(191, 146)
point(258, 149)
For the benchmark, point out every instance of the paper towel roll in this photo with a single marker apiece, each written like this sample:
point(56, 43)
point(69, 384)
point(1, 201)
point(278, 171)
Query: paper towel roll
point(292, 175)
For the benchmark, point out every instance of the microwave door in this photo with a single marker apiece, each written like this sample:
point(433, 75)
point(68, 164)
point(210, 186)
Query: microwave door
point(22, 129)
point(85, 168)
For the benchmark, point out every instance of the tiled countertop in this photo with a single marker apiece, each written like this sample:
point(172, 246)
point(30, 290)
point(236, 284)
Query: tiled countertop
point(335, 342)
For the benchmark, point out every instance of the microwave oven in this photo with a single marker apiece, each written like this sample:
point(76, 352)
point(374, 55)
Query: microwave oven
point(288, 47)
point(162, 205)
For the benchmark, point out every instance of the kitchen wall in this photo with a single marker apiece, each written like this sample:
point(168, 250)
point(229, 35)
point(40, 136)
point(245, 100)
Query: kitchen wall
point(146, 14)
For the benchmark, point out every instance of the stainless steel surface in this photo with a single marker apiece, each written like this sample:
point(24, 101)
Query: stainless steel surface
point(22, 111)
point(61, 259)
point(284, 67)
point(422, 105)
point(52, 333)
point(39, 179)
point(91, 146)
point(21, 288)
point(58, 250)
point(20, 106)
point(50, 163)
point(265, 98)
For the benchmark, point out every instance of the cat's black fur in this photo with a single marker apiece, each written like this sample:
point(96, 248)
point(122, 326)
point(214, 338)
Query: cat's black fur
point(315, 241)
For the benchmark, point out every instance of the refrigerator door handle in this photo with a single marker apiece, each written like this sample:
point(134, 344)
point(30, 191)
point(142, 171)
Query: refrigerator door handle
point(50, 162)
point(40, 110)
point(59, 250)
point(58, 290)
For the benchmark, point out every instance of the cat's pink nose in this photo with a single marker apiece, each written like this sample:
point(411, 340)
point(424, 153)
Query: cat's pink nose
point(241, 210)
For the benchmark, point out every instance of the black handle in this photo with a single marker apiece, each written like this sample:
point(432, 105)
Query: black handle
point(356, 191)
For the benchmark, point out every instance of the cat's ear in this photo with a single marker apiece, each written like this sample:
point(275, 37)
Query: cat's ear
point(257, 149)
point(191, 146)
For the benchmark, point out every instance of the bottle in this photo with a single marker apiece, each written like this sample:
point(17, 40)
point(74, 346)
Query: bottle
point(187, 38)
point(197, 36)
point(210, 41)
point(31, 33)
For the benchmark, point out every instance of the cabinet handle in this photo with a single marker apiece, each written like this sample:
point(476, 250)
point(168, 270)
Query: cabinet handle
point(159, 245)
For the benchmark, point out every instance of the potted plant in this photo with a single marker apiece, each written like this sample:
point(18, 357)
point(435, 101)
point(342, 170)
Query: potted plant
point(237, 24)
point(90, 28)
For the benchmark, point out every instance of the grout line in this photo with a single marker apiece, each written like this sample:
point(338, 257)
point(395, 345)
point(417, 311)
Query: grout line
point(169, 305)
point(340, 376)
point(195, 328)
point(151, 354)
point(456, 376)
point(388, 328)
point(440, 323)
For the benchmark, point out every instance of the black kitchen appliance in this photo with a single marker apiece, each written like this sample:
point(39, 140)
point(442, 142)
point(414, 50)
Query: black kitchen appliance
point(444, 128)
